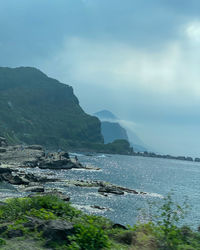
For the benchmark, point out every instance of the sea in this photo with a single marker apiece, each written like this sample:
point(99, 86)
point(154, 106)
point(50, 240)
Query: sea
point(156, 177)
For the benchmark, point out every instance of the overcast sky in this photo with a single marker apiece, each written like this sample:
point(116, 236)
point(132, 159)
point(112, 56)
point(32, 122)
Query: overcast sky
point(139, 59)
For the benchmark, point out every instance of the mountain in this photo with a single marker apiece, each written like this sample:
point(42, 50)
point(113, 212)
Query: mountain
point(113, 129)
point(106, 115)
point(36, 109)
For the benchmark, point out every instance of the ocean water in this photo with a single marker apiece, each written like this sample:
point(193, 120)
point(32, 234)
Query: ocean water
point(155, 176)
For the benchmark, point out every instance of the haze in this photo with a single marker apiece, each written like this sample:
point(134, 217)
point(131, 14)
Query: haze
point(137, 58)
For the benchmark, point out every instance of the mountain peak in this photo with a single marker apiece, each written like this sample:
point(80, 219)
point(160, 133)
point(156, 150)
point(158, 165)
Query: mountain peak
point(105, 115)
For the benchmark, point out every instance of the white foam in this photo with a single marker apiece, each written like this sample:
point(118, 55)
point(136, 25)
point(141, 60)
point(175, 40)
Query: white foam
point(155, 195)
point(75, 154)
point(90, 209)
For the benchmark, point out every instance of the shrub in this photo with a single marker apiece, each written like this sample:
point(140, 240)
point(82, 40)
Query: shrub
point(89, 236)
point(2, 242)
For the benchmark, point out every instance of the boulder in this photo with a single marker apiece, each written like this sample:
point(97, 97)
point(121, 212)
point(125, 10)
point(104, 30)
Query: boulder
point(119, 226)
point(58, 164)
point(34, 223)
point(57, 230)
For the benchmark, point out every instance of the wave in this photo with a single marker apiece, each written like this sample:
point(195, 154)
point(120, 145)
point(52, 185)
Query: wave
point(155, 195)
point(75, 154)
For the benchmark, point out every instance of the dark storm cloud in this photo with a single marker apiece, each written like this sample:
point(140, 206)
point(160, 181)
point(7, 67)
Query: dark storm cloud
point(34, 28)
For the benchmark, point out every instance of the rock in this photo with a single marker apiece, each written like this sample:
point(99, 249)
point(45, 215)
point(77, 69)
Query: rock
point(34, 189)
point(15, 233)
point(55, 193)
point(35, 147)
point(57, 230)
point(2, 150)
point(110, 189)
point(3, 229)
point(98, 207)
point(197, 159)
point(64, 154)
point(3, 142)
point(34, 223)
point(119, 226)
point(5, 170)
point(17, 180)
point(89, 167)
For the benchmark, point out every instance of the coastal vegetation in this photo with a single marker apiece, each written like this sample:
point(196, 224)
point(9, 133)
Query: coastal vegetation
point(47, 222)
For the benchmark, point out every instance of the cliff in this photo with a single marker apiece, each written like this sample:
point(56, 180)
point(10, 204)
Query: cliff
point(36, 109)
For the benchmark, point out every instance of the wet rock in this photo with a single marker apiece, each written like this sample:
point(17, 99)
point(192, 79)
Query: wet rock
point(5, 170)
point(2, 150)
point(110, 189)
point(3, 142)
point(34, 189)
point(89, 167)
point(35, 147)
point(17, 180)
point(98, 207)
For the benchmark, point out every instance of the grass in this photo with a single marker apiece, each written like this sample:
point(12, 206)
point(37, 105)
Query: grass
point(92, 232)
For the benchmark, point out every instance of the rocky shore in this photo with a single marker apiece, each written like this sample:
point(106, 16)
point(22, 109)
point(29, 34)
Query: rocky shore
point(15, 160)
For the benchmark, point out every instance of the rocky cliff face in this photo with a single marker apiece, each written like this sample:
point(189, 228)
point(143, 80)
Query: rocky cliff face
point(36, 109)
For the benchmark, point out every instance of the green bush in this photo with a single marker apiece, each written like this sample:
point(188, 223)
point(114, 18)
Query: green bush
point(89, 236)
point(19, 207)
point(2, 242)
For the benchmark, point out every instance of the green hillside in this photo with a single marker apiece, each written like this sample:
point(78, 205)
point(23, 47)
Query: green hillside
point(36, 109)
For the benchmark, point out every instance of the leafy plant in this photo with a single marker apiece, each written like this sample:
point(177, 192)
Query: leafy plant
point(89, 236)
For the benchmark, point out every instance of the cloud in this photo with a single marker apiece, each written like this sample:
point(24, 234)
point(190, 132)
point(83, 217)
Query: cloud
point(138, 58)
point(170, 71)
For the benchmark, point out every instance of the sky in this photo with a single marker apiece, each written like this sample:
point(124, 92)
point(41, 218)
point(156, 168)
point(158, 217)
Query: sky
point(137, 58)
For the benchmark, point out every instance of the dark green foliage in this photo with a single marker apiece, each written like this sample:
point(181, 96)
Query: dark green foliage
point(2, 242)
point(89, 236)
point(36, 109)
